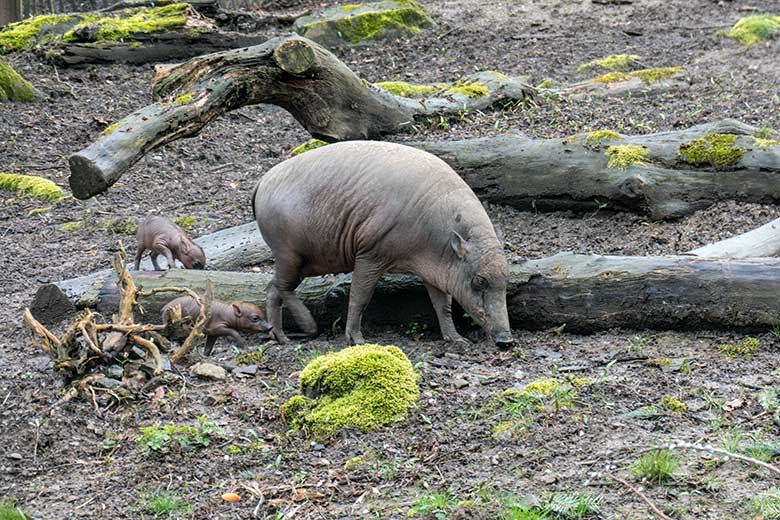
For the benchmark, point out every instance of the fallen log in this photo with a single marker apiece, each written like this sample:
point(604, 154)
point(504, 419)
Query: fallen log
point(763, 241)
point(302, 77)
point(586, 292)
point(664, 175)
point(136, 32)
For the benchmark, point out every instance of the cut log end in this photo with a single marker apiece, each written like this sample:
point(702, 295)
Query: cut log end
point(295, 56)
point(86, 178)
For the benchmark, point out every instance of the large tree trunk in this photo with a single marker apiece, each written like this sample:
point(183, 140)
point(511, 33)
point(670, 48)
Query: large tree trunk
point(322, 93)
point(586, 292)
point(574, 174)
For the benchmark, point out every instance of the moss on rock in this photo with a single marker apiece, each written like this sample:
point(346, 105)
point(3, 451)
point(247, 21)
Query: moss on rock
point(649, 76)
point(366, 386)
point(13, 87)
point(36, 187)
point(763, 143)
point(623, 156)
point(752, 29)
point(713, 150)
point(611, 62)
point(311, 144)
point(23, 35)
point(110, 129)
point(358, 23)
point(143, 20)
point(184, 99)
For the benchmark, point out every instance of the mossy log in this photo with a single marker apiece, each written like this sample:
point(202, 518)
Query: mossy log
point(663, 175)
point(586, 292)
point(14, 87)
point(322, 93)
point(134, 32)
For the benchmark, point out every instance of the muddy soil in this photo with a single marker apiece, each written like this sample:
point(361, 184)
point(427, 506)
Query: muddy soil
point(455, 448)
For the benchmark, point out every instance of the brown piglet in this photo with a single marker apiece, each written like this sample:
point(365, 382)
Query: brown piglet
point(162, 237)
point(227, 319)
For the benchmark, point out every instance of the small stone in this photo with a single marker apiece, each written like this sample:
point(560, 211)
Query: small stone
point(115, 372)
point(459, 382)
point(245, 370)
point(15, 456)
point(107, 382)
point(519, 374)
point(209, 371)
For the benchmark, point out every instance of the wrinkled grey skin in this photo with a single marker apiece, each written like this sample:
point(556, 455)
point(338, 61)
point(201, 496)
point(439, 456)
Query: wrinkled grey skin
point(162, 237)
point(373, 208)
point(227, 319)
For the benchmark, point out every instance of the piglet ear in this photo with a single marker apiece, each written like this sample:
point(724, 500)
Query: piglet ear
point(499, 234)
point(236, 310)
point(459, 244)
point(185, 246)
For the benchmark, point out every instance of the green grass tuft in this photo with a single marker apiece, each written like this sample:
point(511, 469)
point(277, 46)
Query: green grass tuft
point(767, 504)
point(162, 504)
point(656, 466)
point(10, 511)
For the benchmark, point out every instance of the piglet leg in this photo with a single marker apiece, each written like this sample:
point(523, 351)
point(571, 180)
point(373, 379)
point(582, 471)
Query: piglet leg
point(153, 257)
point(138, 254)
point(442, 304)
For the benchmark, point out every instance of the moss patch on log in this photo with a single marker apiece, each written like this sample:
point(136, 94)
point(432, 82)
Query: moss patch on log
point(14, 87)
point(713, 150)
point(22, 35)
point(144, 20)
point(752, 29)
point(611, 62)
point(366, 386)
point(359, 23)
point(36, 187)
point(625, 155)
point(763, 143)
point(311, 144)
point(602, 135)
point(472, 89)
point(649, 76)
point(404, 89)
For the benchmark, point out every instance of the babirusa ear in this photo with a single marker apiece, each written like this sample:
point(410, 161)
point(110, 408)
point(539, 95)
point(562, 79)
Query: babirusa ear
point(459, 244)
point(237, 310)
point(499, 234)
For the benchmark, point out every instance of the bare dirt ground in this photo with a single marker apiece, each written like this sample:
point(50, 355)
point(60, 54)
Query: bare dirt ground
point(453, 457)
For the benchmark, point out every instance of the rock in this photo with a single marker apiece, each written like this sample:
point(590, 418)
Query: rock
point(209, 371)
point(245, 370)
point(361, 24)
point(15, 456)
point(107, 382)
point(460, 382)
point(115, 372)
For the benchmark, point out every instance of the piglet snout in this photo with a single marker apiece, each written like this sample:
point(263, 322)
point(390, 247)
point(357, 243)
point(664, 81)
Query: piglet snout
point(504, 339)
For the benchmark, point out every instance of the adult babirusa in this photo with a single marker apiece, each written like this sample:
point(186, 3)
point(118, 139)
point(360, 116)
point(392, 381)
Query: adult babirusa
point(373, 208)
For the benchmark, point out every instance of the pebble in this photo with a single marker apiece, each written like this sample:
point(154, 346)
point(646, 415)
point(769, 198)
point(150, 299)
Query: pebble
point(209, 371)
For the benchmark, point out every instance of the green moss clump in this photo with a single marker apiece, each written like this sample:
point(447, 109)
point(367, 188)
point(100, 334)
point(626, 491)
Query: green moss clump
point(184, 99)
point(14, 87)
point(403, 89)
point(36, 187)
point(186, 221)
point(752, 29)
point(144, 20)
point(21, 36)
point(71, 226)
point(673, 405)
point(367, 21)
point(309, 145)
point(649, 76)
point(366, 386)
point(601, 135)
point(744, 349)
point(625, 155)
point(352, 7)
point(250, 358)
point(547, 83)
point(611, 62)
point(472, 89)
point(713, 150)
